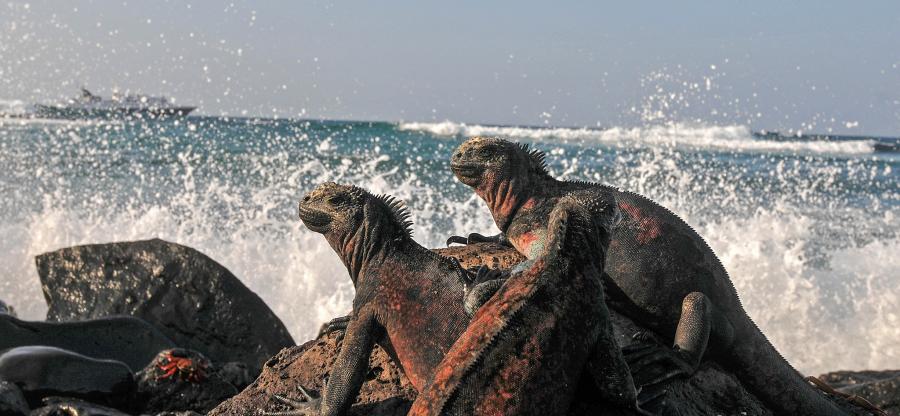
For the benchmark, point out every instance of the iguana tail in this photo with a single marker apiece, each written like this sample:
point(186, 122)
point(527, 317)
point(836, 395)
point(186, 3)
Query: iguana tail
point(771, 378)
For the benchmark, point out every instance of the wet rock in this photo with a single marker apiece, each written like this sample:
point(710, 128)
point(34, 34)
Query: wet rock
point(12, 402)
point(6, 309)
point(495, 256)
point(236, 374)
point(65, 406)
point(122, 338)
point(386, 391)
point(182, 380)
point(41, 371)
point(881, 388)
point(193, 300)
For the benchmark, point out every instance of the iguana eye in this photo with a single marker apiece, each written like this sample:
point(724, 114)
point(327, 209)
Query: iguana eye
point(337, 200)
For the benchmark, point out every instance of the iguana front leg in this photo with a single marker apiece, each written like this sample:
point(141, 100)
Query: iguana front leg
point(473, 238)
point(346, 376)
point(480, 286)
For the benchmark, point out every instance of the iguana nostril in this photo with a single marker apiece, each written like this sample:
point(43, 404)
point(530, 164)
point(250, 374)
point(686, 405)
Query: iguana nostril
point(306, 198)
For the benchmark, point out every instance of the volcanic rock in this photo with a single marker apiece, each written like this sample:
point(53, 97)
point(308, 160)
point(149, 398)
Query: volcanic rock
point(41, 371)
point(182, 380)
point(881, 388)
point(386, 391)
point(12, 402)
point(122, 338)
point(66, 406)
point(495, 256)
point(193, 300)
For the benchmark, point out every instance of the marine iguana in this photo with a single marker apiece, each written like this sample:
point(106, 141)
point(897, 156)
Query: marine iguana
point(659, 272)
point(525, 348)
point(408, 299)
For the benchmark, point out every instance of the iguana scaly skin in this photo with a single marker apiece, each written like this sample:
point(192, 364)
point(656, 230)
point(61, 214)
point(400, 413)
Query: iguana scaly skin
point(659, 271)
point(408, 299)
point(526, 348)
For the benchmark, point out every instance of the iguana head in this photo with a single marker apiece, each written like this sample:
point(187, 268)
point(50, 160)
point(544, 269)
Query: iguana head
point(355, 222)
point(483, 161)
point(501, 172)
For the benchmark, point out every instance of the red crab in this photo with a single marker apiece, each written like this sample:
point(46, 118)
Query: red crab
point(181, 368)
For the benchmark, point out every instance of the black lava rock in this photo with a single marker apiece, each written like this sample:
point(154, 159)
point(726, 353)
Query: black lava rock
point(193, 300)
point(41, 371)
point(66, 406)
point(12, 402)
point(182, 380)
point(881, 388)
point(122, 338)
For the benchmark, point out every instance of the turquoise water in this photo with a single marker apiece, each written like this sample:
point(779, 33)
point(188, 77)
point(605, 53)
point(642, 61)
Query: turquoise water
point(808, 227)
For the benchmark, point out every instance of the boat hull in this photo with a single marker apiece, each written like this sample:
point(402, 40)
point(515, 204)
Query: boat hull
point(75, 113)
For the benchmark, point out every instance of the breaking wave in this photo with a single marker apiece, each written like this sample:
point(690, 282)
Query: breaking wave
point(810, 240)
point(720, 138)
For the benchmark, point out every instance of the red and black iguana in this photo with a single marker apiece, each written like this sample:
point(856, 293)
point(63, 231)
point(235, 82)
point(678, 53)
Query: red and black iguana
point(659, 272)
point(527, 346)
point(408, 299)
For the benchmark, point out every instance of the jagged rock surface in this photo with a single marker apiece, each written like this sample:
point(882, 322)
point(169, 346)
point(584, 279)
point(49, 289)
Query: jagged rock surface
point(881, 388)
point(191, 383)
point(386, 390)
point(193, 300)
point(65, 406)
point(12, 402)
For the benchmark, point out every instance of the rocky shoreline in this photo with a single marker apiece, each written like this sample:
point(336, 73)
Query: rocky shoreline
point(156, 328)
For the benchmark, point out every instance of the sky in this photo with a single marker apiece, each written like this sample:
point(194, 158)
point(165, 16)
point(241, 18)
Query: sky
point(810, 66)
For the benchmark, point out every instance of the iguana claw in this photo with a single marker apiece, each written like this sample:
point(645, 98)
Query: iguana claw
point(337, 324)
point(652, 401)
point(655, 364)
point(306, 408)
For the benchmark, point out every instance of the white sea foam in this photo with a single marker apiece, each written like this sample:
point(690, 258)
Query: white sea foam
point(727, 138)
point(840, 314)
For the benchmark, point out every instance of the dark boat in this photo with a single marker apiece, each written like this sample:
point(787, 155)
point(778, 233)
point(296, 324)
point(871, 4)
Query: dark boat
point(90, 106)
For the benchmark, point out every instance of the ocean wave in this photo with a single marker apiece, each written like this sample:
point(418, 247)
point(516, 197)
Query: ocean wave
point(31, 121)
point(734, 138)
point(810, 243)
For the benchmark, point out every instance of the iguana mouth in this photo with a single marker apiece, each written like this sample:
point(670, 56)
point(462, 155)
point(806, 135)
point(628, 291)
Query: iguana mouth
point(314, 220)
point(466, 171)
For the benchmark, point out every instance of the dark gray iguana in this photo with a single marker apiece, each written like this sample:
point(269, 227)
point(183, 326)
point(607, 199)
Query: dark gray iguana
point(408, 299)
point(659, 272)
point(526, 348)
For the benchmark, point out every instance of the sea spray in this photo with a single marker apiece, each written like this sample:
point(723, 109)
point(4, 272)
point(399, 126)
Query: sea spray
point(807, 227)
